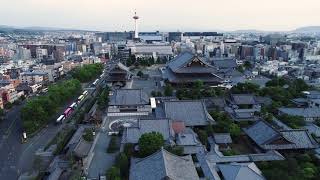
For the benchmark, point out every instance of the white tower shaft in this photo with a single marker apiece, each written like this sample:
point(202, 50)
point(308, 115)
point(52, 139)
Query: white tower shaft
point(136, 33)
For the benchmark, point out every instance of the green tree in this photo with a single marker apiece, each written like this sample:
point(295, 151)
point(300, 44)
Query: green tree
point(168, 91)
point(159, 94)
point(153, 93)
point(1, 112)
point(123, 164)
point(203, 137)
point(8, 105)
point(149, 143)
point(276, 82)
point(38, 111)
point(240, 69)
point(87, 72)
point(113, 173)
point(88, 135)
point(292, 121)
point(140, 73)
point(177, 150)
point(113, 145)
point(209, 129)
point(245, 88)
point(234, 130)
point(198, 84)
point(247, 65)
point(103, 99)
point(128, 150)
point(159, 60)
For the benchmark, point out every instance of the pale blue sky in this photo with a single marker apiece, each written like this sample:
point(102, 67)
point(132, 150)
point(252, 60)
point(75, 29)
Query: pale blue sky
point(112, 15)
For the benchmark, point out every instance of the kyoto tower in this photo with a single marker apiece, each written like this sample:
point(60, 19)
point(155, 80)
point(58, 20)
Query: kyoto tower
point(136, 33)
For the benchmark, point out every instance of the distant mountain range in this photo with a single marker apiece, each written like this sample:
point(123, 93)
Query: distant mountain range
point(307, 29)
point(35, 28)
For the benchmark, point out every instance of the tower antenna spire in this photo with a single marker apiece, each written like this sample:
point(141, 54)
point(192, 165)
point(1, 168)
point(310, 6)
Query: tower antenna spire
point(136, 33)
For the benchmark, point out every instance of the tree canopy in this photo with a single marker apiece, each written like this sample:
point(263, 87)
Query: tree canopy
point(38, 111)
point(168, 90)
point(103, 99)
point(149, 143)
point(87, 72)
point(225, 124)
point(295, 167)
point(113, 173)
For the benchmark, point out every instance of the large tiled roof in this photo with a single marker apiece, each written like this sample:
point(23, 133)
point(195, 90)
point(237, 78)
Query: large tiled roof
point(216, 102)
point(313, 129)
point(187, 138)
point(304, 112)
point(243, 98)
point(222, 138)
point(132, 134)
point(149, 49)
point(190, 77)
point(225, 63)
point(193, 113)
point(300, 139)
point(180, 64)
point(263, 134)
point(129, 97)
point(119, 68)
point(241, 171)
point(163, 165)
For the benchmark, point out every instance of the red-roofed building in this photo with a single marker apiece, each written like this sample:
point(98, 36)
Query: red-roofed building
point(178, 126)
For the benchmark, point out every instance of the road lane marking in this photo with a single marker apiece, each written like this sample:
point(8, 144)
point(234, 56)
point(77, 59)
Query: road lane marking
point(8, 131)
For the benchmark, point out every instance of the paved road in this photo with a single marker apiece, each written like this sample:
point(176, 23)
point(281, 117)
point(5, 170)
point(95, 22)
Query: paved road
point(101, 160)
point(15, 157)
point(10, 143)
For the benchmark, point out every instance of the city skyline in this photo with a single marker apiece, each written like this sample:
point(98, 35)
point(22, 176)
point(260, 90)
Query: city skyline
point(162, 15)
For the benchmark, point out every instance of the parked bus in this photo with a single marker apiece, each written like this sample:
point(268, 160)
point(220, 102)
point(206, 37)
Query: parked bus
point(73, 106)
point(95, 82)
point(67, 112)
point(85, 93)
point(80, 98)
point(45, 90)
point(60, 118)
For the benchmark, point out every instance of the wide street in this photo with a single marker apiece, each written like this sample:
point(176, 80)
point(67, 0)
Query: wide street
point(10, 144)
point(16, 157)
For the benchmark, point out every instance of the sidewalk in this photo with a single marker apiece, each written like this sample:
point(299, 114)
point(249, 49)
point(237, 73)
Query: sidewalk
point(101, 160)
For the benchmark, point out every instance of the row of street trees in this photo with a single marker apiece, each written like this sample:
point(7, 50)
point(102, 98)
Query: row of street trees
point(87, 72)
point(145, 61)
point(38, 111)
point(103, 99)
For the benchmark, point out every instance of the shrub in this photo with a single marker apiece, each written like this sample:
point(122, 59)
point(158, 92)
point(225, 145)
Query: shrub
point(113, 173)
point(113, 145)
point(123, 164)
point(177, 150)
point(140, 74)
point(88, 135)
point(168, 91)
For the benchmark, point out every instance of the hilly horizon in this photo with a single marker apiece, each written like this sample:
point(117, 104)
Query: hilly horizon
point(305, 29)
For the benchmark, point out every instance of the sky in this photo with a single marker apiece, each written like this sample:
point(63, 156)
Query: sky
point(163, 15)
